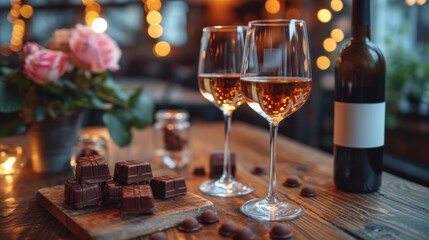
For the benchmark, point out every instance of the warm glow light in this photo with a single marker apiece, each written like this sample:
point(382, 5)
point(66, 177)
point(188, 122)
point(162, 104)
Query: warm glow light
point(8, 164)
point(421, 2)
point(329, 45)
point(324, 15)
point(410, 2)
point(93, 7)
point(154, 17)
point(26, 11)
point(15, 48)
point(323, 62)
point(99, 25)
point(153, 5)
point(337, 5)
point(14, 11)
point(293, 13)
point(155, 31)
point(90, 17)
point(4, 49)
point(337, 34)
point(86, 2)
point(272, 6)
point(19, 22)
point(161, 49)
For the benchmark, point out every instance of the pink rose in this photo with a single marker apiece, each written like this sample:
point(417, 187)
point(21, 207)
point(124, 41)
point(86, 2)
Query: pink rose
point(45, 66)
point(59, 40)
point(30, 48)
point(93, 51)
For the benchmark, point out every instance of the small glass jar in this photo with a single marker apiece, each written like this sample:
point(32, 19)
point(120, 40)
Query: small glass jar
point(172, 137)
point(11, 159)
point(89, 144)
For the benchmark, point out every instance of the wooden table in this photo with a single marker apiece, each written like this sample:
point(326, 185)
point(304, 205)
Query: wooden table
point(399, 210)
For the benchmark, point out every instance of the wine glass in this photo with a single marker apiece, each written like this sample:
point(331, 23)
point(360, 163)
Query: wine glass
point(219, 82)
point(276, 82)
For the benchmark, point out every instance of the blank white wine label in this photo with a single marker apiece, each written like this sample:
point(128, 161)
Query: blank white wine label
point(359, 125)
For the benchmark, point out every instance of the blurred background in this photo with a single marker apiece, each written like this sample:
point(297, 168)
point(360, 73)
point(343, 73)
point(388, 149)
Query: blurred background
point(160, 40)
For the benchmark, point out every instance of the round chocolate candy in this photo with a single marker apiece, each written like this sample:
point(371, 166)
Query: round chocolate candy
point(227, 228)
point(308, 191)
point(259, 170)
point(292, 182)
point(244, 233)
point(280, 231)
point(158, 236)
point(208, 216)
point(189, 224)
point(199, 171)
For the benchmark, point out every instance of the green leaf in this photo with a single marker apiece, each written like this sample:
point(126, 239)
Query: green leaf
point(142, 108)
point(119, 133)
point(11, 124)
point(9, 98)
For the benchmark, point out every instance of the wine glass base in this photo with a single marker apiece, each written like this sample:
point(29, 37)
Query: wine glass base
point(261, 209)
point(231, 188)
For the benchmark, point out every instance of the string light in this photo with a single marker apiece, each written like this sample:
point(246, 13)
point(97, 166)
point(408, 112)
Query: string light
point(272, 6)
point(324, 15)
point(17, 13)
point(323, 62)
point(161, 49)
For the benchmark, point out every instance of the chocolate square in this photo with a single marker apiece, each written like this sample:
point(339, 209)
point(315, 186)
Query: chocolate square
point(112, 191)
point(82, 195)
point(92, 169)
point(216, 164)
point(168, 186)
point(132, 171)
point(137, 199)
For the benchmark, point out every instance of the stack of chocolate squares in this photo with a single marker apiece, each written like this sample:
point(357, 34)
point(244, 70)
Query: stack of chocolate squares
point(133, 186)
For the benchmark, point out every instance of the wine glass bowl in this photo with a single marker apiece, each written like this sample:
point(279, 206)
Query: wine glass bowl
point(276, 82)
point(219, 69)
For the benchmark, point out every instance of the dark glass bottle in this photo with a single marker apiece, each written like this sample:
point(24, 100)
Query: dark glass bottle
point(359, 108)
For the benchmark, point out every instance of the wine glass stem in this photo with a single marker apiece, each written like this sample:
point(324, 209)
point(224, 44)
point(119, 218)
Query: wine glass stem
point(272, 184)
point(226, 175)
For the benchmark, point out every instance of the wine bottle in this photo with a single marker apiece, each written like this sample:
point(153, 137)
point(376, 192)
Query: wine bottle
point(359, 108)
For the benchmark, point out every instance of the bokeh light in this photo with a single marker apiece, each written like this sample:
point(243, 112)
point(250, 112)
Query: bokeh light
point(293, 13)
point(329, 45)
point(337, 34)
point(154, 17)
point(152, 5)
point(99, 25)
point(337, 5)
point(324, 15)
point(155, 31)
point(161, 49)
point(410, 2)
point(323, 62)
point(272, 6)
point(26, 11)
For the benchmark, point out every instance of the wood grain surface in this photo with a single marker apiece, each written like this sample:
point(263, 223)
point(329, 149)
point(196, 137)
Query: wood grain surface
point(105, 221)
point(399, 210)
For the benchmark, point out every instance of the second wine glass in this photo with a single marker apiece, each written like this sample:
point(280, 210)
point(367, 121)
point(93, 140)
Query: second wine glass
point(276, 82)
point(219, 82)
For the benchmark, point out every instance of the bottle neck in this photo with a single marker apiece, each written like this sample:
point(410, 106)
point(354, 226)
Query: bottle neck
point(361, 29)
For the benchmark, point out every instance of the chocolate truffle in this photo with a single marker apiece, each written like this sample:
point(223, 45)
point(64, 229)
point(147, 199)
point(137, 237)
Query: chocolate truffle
point(79, 195)
point(244, 233)
point(132, 171)
point(259, 170)
point(112, 191)
point(292, 182)
point(228, 228)
point(168, 186)
point(280, 231)
point(158, 236)
point(308, 191)
point(199, 171)
point(92, 169)
point(189, 224)
point(137, 199)
point(208, 216)
point(216, 164)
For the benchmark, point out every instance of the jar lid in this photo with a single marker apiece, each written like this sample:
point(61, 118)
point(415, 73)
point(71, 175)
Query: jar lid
point(172, 114)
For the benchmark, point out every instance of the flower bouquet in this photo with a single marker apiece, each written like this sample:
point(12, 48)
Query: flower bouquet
point(68, 77)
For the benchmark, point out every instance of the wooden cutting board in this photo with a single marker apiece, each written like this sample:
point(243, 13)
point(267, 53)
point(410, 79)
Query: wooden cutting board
point(106, 222)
